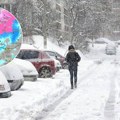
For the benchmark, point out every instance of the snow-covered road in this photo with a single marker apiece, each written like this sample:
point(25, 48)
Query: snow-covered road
point(94, 99)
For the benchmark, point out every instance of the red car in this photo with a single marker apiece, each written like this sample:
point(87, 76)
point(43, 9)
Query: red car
point(57, 56)
point(42, 62)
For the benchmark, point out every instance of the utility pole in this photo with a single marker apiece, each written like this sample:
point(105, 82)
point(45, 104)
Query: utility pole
point(45, 27)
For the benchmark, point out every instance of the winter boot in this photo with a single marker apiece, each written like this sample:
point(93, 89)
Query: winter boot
point(71, 85)
point(75, 84)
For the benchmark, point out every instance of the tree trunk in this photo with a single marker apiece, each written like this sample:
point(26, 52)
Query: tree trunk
point(45, 41)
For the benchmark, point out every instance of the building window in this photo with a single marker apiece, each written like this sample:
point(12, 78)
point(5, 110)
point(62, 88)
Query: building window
point(58, 25)
point(116, 4)
point(66, 20)
point(1, 5)
point(66, 12)
point(66, 28)
point(58, 16)
point(58, 34)
point(58, 7)
point(5, 6)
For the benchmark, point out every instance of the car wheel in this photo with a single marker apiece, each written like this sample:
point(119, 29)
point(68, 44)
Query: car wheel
point(15, 85)
point(45, 72)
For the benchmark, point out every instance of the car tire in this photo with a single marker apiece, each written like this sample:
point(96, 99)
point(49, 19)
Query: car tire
point(45, 72)
point(15, 85)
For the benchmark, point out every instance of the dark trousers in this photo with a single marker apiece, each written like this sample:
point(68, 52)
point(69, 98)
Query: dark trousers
point(73, 75)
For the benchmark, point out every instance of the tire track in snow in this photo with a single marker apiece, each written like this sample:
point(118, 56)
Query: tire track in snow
point(111, 66)
point(109, 110)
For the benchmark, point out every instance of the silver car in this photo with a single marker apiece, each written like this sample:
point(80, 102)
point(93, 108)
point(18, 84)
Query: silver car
point(4, 87)
point(110, 49)
point(13, 75)
point(27, 68)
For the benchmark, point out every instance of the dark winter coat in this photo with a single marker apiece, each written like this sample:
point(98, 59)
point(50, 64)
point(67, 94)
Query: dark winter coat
point(72, 58)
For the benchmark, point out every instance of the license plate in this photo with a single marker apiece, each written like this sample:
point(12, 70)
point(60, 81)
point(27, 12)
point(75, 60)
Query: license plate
point(2, 87)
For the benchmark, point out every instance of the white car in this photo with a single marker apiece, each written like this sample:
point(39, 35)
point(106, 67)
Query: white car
point(13, 75)
point(58, 65)
point(4, 87)
point(27, 68)
point(110, 49)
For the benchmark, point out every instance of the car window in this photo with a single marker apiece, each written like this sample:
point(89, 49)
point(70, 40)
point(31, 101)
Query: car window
point(28, 54)
point(20, 54)
point(51, 53)
point(44, 55)
point(58, 55)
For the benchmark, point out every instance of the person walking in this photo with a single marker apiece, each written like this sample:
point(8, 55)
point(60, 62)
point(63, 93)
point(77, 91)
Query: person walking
point(72, 58)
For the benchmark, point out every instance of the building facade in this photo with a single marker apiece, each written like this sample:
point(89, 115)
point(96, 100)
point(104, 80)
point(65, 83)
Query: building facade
point(8, 5)
point(26, 13)
point(116, 19)
point(62, 23)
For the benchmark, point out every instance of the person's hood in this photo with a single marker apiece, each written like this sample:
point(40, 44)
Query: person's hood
point(71, 47)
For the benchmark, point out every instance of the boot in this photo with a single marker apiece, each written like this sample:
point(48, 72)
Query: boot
point(75, 84)
point(71, 85)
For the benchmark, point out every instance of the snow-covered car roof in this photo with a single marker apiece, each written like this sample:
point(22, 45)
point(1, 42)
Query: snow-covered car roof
point(103, 40)
point(25, 65)
point(112, 44)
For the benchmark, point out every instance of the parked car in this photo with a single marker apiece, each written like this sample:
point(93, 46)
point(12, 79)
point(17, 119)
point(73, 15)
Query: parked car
point(118, 42)
point(4, 87)
point(42, 62)
point(27, 68)
point(57, 65)
point(57, 56)
point(13, 75)
point(110, 49)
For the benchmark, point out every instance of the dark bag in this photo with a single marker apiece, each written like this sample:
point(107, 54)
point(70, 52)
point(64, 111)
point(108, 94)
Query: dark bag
point(78, 58)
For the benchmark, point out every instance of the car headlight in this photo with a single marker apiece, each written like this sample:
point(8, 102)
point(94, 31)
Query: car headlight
point(2, 87)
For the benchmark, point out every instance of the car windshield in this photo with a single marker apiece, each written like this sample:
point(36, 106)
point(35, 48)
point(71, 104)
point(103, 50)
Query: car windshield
point(52, 54)
point(58, 55)
point(28, 54)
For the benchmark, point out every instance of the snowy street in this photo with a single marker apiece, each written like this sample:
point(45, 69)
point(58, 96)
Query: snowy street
point(59, 59)
point(94, 99)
